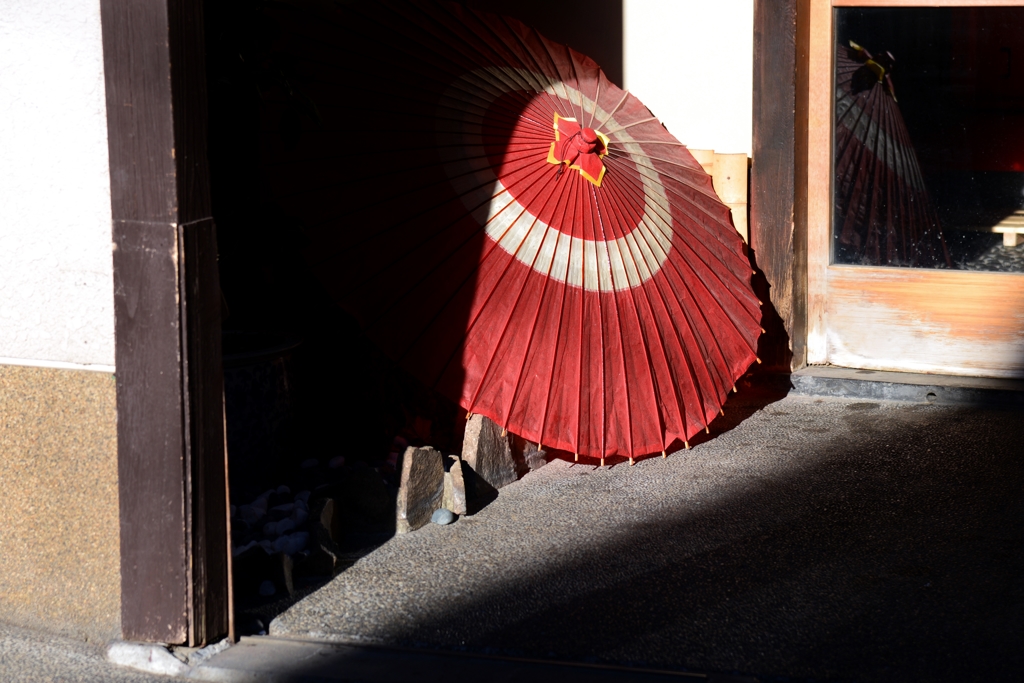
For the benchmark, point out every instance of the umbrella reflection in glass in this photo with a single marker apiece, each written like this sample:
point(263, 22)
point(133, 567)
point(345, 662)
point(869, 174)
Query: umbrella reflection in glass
point(882, 215)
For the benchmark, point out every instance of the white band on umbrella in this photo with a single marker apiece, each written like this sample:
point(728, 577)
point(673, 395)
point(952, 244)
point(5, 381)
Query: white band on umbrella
point(594, 265)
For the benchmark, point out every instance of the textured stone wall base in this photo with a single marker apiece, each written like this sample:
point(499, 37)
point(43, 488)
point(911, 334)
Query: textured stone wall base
point(59, 528)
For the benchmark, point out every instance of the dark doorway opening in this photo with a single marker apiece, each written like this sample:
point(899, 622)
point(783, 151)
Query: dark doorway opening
point(315, 411)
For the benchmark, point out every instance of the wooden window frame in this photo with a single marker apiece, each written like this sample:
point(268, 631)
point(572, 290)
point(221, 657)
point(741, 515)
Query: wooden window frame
point(791, 169)
point(837, 291)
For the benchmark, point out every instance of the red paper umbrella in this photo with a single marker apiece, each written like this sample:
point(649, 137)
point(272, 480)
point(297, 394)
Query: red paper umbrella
point(882, 212)
point(515, 229)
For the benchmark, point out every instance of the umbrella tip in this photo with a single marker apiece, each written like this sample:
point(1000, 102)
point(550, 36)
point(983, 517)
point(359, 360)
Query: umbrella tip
point(760, 303)
point(664, 455)
point(469, 415)
point(602, 462)
point(577, 458)
point(631, 463)
point(722, 411)
point(734, 389)
point(686, 444)
point(504, 432)
point(707, 430)
point(758, 360)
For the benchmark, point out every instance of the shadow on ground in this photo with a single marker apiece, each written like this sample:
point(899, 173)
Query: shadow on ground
point(818, 540)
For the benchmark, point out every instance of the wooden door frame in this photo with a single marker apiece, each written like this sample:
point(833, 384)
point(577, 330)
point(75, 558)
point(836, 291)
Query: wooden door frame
point(175, 557)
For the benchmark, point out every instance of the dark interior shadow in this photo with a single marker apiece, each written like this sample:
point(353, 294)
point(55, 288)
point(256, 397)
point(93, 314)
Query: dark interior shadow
point(314, 407)
point(592, 27)
point(327, 407)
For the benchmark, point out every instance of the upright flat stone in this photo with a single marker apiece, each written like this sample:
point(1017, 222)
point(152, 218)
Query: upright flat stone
point(421, 489)
point(455, 487)
point(488, 453)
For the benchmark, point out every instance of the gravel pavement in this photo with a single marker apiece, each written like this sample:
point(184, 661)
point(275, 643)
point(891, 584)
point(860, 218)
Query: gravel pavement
point(807, 539)
point(34, 657)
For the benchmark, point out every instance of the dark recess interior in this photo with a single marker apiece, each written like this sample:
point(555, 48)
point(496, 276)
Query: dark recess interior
point(303, 384)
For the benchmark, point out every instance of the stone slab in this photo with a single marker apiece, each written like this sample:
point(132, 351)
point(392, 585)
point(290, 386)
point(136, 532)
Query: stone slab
point(455, 487)
point(488, 453)
point(421, 490)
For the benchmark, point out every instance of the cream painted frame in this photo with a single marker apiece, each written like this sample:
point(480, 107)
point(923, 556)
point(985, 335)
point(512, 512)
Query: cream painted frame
point(902, 319)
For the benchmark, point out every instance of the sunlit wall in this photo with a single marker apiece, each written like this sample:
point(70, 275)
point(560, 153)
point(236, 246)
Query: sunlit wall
point(56, 274)
point(691, 63)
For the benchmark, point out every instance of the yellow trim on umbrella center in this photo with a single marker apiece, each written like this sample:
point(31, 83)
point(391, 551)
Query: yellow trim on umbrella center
point(601, 136)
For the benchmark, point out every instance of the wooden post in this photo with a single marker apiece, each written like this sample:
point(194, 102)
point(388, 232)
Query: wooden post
point(777, 232)
point(171, 465)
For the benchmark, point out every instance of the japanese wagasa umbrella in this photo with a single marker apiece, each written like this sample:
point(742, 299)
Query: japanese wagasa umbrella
point(517, 231)
point(882, 212)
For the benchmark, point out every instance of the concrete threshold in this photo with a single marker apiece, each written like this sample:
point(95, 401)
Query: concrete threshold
point(828, 380)
point(273, 659)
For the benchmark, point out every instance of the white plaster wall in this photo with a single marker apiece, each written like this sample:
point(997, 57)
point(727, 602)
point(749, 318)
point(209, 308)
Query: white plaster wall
point(56, 275)
point(691, 63)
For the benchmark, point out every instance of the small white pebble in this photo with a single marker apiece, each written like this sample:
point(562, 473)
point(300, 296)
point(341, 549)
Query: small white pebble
point(442, 517)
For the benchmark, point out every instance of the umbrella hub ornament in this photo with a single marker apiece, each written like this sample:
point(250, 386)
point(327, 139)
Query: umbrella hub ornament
point(879, 67)
point(578, 148)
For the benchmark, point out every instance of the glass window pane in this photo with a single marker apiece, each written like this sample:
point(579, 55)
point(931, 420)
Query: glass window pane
point(928, 144)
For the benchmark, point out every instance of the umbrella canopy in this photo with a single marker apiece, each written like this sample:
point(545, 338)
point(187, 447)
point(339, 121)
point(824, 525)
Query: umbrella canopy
point(882, 212)
point(516, 230)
